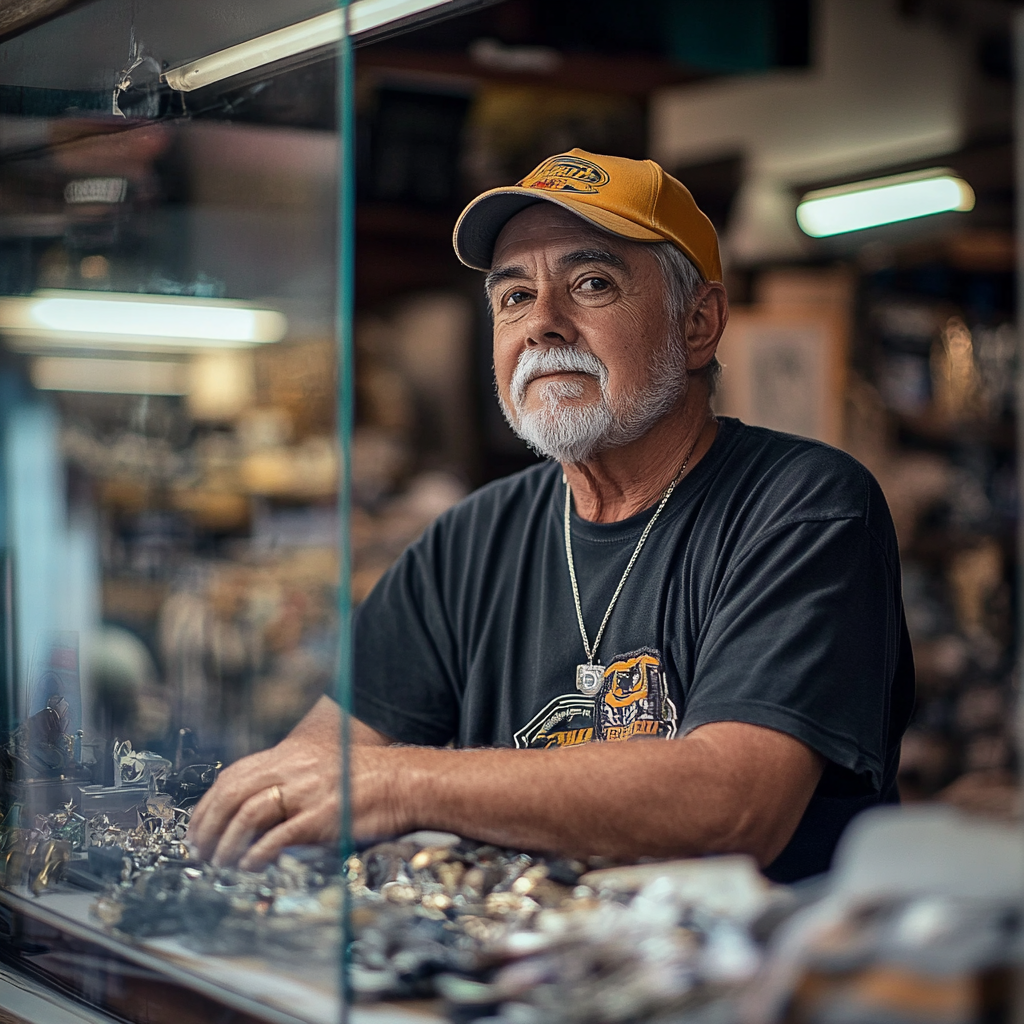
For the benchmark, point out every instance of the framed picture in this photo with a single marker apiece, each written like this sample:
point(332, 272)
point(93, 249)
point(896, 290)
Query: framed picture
point(784, 368)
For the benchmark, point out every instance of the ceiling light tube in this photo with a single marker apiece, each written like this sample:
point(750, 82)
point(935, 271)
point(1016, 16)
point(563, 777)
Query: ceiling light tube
point(323, 30)
point(869, 204)
point(110, 319)
point(109, 376)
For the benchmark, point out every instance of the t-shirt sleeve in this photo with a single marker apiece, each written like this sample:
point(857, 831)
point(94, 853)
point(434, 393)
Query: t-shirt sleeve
point(405, 664)
point(802, 637)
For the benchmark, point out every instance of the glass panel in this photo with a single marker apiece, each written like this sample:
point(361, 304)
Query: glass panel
point(175, 420)
point(171, 517)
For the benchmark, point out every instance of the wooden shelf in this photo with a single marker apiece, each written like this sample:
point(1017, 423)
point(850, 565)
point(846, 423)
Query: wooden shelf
point(1001, 434)
point(623, 75)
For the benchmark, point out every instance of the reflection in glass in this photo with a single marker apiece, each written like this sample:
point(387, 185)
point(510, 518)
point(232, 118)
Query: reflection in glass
point(170, 475)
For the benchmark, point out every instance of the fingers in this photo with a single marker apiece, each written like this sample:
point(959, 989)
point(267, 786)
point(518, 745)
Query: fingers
point(308, 827)
point(259, 813)
point(237, 784)
point(244, 802)
point(201, 811)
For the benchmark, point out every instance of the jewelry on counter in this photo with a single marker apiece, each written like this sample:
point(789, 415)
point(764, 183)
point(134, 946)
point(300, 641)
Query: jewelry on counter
point(590, 676)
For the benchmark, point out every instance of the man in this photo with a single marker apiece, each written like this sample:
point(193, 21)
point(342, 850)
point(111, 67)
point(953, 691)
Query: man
point(728, 595)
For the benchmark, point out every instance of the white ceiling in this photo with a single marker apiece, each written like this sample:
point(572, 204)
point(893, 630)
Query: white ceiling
point(86, 47)
point(883, 90)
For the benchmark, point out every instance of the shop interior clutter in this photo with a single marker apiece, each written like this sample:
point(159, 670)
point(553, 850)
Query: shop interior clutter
point(214, 444)
point(498, 933)
point(429, 914)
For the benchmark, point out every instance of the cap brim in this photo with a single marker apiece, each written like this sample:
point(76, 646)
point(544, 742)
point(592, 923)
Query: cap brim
point(481, 222)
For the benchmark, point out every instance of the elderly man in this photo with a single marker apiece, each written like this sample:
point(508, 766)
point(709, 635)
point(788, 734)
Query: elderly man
point(728, 594)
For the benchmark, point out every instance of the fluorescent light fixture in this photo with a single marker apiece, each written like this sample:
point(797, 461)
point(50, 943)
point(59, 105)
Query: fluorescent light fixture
point(323, 30)
point(109, 376)
point(869, 204)
point(96, 190)
point(79, 319)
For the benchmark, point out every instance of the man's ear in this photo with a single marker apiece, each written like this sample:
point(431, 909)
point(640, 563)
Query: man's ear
point(705, 324)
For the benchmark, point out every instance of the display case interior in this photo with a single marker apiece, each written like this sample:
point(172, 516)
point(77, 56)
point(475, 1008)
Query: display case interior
point(170, 242)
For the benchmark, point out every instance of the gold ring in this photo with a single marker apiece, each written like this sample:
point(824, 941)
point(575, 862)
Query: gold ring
point(278, 798)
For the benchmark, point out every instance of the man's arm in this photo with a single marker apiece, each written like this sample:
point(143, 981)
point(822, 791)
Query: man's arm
point(306, 768)
point(727, 787)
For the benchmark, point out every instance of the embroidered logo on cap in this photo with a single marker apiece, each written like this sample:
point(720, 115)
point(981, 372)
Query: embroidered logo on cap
point(568, 174)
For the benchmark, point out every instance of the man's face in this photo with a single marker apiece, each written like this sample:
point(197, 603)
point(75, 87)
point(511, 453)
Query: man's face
point(585, 354)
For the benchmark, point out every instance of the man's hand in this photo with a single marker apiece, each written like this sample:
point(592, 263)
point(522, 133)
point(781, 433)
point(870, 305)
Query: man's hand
point(728, 787)
point(243, 805)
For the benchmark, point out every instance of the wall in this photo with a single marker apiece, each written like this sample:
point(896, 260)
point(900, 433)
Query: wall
point(883, 90)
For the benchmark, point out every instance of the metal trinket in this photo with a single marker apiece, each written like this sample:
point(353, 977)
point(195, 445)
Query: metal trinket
point(589, 679)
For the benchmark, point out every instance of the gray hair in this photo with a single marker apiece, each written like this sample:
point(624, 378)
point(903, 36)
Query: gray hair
point(682, 281)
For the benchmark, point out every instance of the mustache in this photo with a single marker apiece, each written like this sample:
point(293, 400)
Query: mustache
point(536, 363)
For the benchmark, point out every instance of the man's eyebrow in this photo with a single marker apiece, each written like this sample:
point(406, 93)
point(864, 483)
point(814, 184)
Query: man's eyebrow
point(499, 274)
point(591, 256)
point(577, 256)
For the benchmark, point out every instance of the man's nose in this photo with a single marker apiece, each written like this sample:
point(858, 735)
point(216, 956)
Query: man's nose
point(550, 321)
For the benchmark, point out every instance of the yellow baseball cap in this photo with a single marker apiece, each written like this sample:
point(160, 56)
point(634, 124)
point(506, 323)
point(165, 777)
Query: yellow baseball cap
point(635, 199)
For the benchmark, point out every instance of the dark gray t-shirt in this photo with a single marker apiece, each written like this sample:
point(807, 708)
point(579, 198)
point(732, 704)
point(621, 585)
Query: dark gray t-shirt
point(768, 593)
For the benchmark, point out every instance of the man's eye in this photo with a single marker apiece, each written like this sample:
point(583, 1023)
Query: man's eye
point(514, 298)
point(593, 284)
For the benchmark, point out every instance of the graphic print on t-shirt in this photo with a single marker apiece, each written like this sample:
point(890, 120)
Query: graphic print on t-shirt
point(632, 702)
point(634, 699)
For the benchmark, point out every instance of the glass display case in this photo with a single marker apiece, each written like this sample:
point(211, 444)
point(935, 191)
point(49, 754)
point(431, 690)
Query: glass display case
point(176, 289)
point(241, 370)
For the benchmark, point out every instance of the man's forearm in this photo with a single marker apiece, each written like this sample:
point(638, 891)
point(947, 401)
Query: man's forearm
point(714, 791)
point(725, 787)
point(322, 724)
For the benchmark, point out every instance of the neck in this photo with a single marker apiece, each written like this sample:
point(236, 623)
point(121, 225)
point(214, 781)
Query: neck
point(620, 482)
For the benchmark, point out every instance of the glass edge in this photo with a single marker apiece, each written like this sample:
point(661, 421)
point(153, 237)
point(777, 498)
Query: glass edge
point(345, 414)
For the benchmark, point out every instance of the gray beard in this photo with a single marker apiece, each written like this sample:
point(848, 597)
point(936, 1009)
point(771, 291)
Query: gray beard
point(568, 432)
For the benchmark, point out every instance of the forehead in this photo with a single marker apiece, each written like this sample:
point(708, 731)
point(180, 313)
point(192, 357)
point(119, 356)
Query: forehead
point(545, 230)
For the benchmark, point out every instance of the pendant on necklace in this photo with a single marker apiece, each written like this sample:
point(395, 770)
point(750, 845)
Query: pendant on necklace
point(589, 679)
